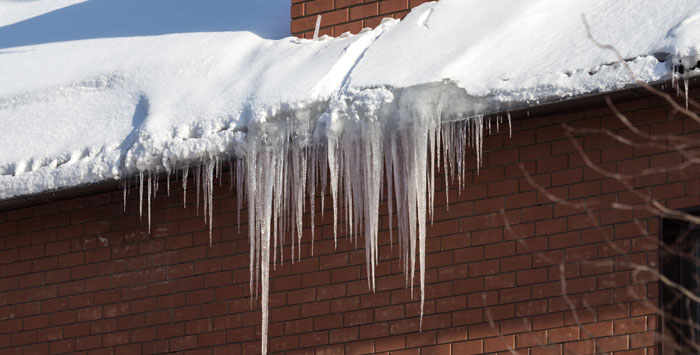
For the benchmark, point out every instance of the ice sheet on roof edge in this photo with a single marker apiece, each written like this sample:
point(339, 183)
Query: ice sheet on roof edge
point(358, 139)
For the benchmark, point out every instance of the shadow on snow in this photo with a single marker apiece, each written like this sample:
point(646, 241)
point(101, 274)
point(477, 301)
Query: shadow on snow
point(125, 18)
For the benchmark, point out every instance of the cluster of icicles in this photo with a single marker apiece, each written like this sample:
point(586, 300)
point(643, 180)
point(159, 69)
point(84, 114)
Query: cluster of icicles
point(283, 170)
point(676, 77)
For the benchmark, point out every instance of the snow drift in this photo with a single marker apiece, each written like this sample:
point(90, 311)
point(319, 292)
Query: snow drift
point(81, 106)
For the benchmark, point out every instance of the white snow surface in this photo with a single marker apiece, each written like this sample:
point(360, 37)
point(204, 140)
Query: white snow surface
point(108, 89)
point(85, 97)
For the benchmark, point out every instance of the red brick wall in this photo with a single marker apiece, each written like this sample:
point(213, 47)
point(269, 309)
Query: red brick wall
point(340, 16)
point(79, 275)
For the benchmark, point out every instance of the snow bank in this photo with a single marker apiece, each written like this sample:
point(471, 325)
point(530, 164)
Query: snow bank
point(85, 98)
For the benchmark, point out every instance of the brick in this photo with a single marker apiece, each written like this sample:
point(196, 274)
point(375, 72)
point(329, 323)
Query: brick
point(375, 330)
point(579, 347)
point(89, 342)
point(31, 252)
point(299, 25)
point(536, 213)
point(9, 256)
point(113, 339)
point(25, 309)
point(364, 11)
point(62, 346)
point(183, 343)
point(559, 335)
point(444, 349)
point(297, 11)
point(612, 343)
point(547, 350)
point(156, 347)
point(210, 339)
point(640, 340)
point(500, 250)
point(316, 6)
point(516, 294)
point(501, 343)
point(147, 334)
point(343, 335)
point(484, 268)
point(551, 320)
point(629, 325)
point(499, 281)
point(388, 6)
point(530, 339)
point(24, 338)
point(551, 226)
point(468, 347)
point(69, 260)
point(515, 263)
point(313, 339)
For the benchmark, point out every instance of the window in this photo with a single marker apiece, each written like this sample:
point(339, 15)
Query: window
point(680, 263)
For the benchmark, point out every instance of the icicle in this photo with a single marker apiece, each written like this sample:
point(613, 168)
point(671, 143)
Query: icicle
point(211, 206)
point(333, 168)
point(140, 194)
point(265, 289)
point(205, 190)
point(155, 181)
point(685, 84)
point(432, 146)
point(313, 154)
point(674, 77)
point(240, 173)
point(318, 27)
point(167, 182)
point(185, 172)
point(510, 127)
point(445, 131)
point(478, 139)
point(150, 177)
point(252, 221)
point(124, 187)
point(389, 179)
point(197, 181)
point(219, 165)
point(208, 196)
point(297, 192)
point(323, 169)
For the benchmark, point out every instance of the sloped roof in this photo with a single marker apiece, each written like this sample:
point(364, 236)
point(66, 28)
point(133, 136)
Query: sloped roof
point(94, 104)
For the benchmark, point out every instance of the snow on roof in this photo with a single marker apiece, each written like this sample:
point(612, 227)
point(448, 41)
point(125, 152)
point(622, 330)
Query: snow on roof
point(96, 90)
